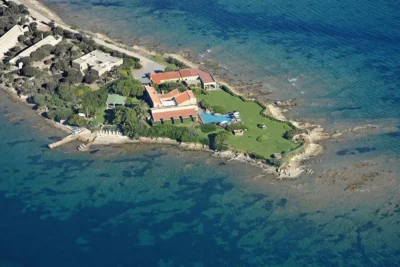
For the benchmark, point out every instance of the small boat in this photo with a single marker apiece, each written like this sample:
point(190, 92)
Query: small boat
point(82, 147)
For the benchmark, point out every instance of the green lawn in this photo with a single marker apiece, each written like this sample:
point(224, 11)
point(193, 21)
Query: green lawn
point(250, 115)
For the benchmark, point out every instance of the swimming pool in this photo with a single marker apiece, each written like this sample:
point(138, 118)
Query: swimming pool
point(210, 118)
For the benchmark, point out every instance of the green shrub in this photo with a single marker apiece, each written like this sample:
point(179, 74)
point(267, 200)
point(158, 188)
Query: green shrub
point(204, 104)
point(218, 109)
point(219, 140)
point(180, 134)
point(73, 76)
point(237, 126)
point(262, 138)
point(29, 71)
point(176, 62)
point(293, 132)
point(59, 114)
point(260, 104)
point(41, 53)
point(242, 98)
point(76, 120)
point(208, 128)
point(204, 141)
point(228, 90)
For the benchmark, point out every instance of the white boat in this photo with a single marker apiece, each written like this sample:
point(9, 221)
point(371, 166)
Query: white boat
point(82, 147)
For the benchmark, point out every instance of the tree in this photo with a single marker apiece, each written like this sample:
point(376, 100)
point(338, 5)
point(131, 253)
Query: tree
point(204, 104)
point(41, 53)
point(81, 90)
point(22, 38)
point(122, 115)
point(169, 68)
point(40, 100)
point(64, 91)
point(176, 62)
point(130, 62)
point(221, 138)
point(127, 86)
point(139, 106)
point(59, 114)
point(90, 77)
point(169, 86)
point(51, 86)
point(76, 120)
point(208, 128)
point(29, 71)
point(33, 26)
point(59, 66)
point(94, 101)
point(73, 76)
point(218, 109)
point(218, 141)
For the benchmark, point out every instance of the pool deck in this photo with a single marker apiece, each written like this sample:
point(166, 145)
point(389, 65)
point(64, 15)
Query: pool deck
point(209, 116)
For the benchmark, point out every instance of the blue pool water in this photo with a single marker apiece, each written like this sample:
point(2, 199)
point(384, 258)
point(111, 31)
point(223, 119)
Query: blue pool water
point(211, 118)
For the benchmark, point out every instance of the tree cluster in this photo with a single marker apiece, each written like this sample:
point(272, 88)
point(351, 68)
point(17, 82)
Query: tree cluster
point(208, 127)
point(176, 62)
point(127, 86)
point(292, 133)
point(169, 86)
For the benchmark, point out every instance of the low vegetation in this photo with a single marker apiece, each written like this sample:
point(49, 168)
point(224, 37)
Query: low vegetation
point(255, 140)
point(65, 93)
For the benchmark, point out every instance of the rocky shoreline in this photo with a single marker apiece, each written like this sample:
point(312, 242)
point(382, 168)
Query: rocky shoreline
point(293, 168)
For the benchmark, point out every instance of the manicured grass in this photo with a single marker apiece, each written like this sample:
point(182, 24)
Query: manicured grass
point(272, 140)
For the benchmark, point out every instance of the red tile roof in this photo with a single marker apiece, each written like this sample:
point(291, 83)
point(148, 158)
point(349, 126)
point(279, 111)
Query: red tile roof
point(167, 115)
point(153, 95)
point(204, 76)
point(184, 96)
point(191, 94)
point(169, 95)
point(158, 78)
point(186, 73)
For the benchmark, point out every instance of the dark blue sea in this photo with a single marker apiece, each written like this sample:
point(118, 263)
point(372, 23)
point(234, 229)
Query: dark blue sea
point(157, 206)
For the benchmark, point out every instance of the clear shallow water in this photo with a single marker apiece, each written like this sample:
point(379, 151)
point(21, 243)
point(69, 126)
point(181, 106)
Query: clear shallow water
point(149, 206)
point(340, 59)
point(161, 207)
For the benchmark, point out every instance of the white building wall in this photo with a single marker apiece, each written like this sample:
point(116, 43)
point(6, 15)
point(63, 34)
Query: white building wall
point(10, 39)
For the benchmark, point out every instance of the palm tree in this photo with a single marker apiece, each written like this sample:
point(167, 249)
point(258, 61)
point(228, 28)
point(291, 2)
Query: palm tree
point(140, 107)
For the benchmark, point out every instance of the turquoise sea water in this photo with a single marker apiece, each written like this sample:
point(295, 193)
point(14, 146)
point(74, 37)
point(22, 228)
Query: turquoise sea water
point(149, 206)
point(142, 206)
point(339, 59)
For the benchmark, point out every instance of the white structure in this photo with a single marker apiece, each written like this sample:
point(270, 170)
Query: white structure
point(97, 61)
point(10, 39)
point(49, 40)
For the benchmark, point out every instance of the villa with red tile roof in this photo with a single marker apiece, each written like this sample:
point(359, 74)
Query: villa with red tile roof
point(189, 76)
point(159, 78)
point(172, 107)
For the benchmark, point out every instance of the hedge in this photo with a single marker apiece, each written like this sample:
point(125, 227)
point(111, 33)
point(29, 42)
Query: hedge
point(228, 90)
